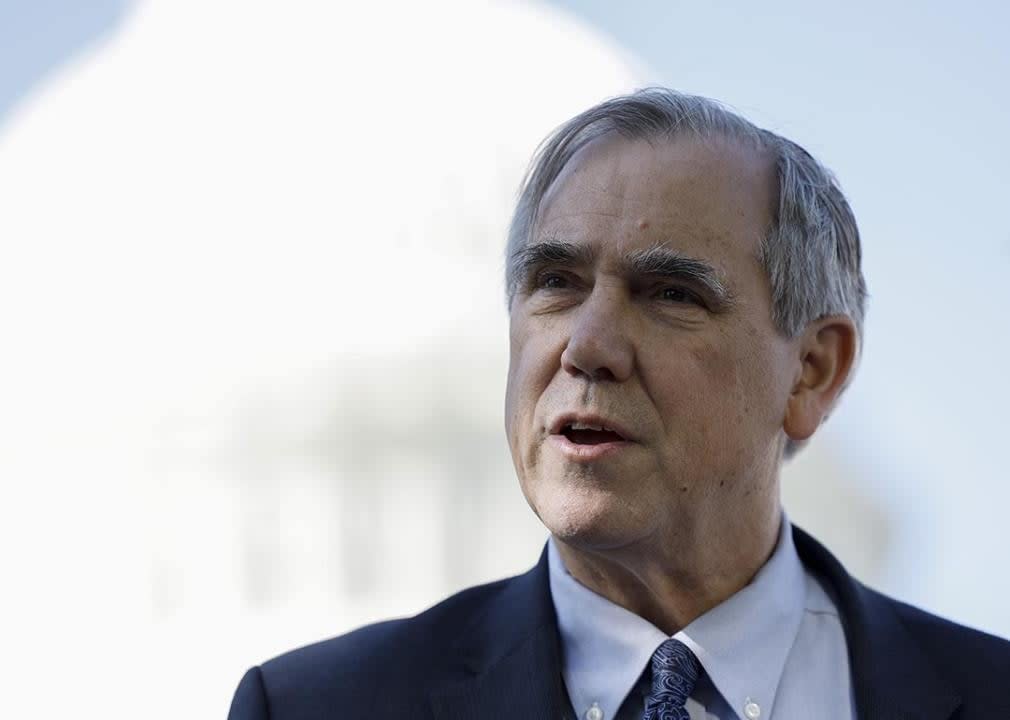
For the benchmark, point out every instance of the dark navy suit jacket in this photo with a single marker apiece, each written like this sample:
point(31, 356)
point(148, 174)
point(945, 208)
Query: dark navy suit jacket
point(492, 653)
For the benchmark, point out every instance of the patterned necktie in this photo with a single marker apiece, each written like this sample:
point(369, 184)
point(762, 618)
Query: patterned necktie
point(675, 670)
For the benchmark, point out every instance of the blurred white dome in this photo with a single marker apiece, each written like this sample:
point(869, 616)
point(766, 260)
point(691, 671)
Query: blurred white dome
point(243, 242)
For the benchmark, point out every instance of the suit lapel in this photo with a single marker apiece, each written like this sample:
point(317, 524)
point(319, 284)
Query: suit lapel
point(521, 685)
point(892, 678)
point(510, 658)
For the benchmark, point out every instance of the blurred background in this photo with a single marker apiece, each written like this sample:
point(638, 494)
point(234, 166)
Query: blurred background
point(254, 335)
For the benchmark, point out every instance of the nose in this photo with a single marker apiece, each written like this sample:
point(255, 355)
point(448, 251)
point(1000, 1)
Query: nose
point(599, 347)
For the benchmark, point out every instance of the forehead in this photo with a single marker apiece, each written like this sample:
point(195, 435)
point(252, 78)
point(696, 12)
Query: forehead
point(713, 197)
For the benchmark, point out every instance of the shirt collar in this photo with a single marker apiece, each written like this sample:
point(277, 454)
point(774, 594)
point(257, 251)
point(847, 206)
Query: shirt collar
point(742, 643)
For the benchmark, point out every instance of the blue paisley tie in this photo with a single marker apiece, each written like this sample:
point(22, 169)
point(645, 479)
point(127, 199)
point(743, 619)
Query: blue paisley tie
point(675, 670)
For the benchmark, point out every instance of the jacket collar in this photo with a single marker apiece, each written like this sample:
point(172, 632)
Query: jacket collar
point(512, 664)
point(511, 657)
point(891, 676)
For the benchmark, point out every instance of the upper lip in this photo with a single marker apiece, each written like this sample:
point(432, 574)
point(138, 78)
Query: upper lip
point(585, 418)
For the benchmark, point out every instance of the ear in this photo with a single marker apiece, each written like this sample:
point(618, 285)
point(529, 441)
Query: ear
point(828, 350)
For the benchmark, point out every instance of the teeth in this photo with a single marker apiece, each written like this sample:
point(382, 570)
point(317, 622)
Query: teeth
point(584, 426)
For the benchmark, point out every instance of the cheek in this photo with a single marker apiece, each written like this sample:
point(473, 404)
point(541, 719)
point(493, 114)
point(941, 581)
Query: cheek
point(713, 394)
point(743, 379)
point(513, 403)
point(533, 363)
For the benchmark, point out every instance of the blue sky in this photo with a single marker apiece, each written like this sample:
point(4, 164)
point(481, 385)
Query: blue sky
point(39, 36)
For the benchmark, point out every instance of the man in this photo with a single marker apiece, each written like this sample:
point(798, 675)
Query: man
point(686, 307)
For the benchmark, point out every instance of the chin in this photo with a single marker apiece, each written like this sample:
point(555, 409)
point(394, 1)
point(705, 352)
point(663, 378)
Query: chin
point(587, 516)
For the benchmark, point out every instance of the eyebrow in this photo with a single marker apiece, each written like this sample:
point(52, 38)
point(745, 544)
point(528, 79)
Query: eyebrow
point(663, 262)
point(657, 261)
point(550, 252)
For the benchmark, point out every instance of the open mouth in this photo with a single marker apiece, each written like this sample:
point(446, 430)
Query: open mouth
point(589, 435)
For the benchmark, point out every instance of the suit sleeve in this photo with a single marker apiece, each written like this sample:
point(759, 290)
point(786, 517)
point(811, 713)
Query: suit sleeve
point(250, 701)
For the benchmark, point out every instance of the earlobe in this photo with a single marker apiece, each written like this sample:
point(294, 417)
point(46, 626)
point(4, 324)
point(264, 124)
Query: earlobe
point(828, 355)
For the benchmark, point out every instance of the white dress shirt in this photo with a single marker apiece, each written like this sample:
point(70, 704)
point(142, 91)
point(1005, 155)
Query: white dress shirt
point(774, 649)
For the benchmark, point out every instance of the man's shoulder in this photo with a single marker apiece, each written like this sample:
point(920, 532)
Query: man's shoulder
point(905, 657)
point(973, 664)
point(350, 670)
point(869, 613)
point(961, 651)
point(422, 633)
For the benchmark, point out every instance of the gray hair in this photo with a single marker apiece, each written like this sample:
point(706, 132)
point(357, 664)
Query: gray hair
point(811, 253)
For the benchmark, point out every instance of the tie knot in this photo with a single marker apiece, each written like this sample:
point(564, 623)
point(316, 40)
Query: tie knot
point(675, 670)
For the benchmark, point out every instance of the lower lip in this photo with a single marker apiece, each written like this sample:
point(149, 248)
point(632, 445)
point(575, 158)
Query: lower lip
point(587, 453)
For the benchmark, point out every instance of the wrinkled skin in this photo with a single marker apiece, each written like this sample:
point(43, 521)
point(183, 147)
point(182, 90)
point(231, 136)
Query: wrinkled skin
point(704, 385)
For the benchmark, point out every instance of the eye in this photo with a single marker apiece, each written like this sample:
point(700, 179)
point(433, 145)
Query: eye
point(678, 294)
point(552, 281)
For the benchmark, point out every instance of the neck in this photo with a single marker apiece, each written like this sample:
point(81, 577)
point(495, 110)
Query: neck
point(672, 581)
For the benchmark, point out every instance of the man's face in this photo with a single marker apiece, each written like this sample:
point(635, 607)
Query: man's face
point(642, 308)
